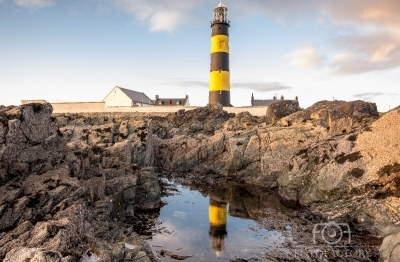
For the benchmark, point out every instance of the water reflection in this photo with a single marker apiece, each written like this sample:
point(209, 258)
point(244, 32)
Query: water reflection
point(225, 222)
point(212, 222)
point(217, 216)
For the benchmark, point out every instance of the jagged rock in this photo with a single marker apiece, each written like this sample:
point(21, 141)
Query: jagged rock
point(33, 254)
point(242, 121)
point(338, 117)
point(148, 193)
point(62, 188)
point(211, 118)
point(55, 196)
point(281, 109)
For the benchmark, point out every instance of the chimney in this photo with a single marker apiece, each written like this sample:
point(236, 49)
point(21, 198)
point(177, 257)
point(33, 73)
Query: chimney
point(297, 98)
point(157, 97)
point(187, 97)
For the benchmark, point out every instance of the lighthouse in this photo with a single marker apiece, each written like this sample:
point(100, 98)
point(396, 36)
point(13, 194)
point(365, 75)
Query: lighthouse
point(219, 91)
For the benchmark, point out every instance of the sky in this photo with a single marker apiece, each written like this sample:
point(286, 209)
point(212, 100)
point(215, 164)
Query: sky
point(79, 50)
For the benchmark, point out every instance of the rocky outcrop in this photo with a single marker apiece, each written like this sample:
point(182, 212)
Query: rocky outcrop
point(66, 177)
point(281, 109)
point(318, 159)
point(63, 184)
point(338, 117)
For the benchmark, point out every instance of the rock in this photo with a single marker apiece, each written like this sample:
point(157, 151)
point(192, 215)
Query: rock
point(33, 254)
point(35, 123)
point(212, 118)
point(390, 249)
point(242, 121)
point(142, 257)
point(55, 197)
point(380, 147)
point(338, 117)
point(281, 109)
point(65, 180)
point(148, 194)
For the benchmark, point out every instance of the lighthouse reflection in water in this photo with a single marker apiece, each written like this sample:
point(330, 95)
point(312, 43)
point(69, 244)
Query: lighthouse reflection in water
point(218, 222)
point(217, 216)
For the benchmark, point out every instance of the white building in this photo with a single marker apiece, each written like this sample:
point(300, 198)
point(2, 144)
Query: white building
point(124, 97)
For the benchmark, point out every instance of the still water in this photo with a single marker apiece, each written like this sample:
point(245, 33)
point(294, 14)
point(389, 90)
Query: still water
point(227, 221)
point(219, 223)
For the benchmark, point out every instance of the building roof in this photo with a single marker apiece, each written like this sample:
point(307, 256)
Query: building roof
point(136, 96)
point(174, 101)
point(266, 102)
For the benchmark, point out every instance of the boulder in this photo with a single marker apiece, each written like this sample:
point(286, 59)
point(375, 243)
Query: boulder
point(390, 249)
point(280, 109)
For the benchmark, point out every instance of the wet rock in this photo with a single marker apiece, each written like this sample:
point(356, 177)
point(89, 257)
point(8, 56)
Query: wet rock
point(141, 257)
point(148, 194)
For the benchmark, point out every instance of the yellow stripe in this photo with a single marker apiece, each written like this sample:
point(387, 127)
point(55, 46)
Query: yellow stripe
point(220, 43)
point(219, 80)
point(217, 215)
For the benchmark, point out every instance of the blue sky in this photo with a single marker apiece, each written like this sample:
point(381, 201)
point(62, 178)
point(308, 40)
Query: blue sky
point(316, 49)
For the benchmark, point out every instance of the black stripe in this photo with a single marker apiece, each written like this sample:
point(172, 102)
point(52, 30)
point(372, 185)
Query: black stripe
point(220, 29)
point(219, 61)
point(223, 97)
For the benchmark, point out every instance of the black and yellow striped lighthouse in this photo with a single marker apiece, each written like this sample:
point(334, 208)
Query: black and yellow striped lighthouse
point(219, 71)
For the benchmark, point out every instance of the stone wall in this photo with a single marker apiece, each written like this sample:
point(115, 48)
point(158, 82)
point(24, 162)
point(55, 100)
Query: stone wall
point(78, 107)
point(253, 110)
point(98, 107)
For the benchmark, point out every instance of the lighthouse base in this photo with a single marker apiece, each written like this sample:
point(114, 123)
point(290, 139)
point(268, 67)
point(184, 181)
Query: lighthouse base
point(222, 97)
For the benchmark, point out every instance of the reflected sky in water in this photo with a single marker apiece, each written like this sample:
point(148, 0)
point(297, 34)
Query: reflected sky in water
point(186, 230)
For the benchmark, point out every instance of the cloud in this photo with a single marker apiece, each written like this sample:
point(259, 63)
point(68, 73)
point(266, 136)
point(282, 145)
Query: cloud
point(350, 56)
point(187, 83)
point(362, 13)
point(34, 4)
point(366, 12)
point(260, 86)
point(158, 15)
point(369, 96)
point(360, 54)
point(161, 15)
point(288, 10)
point(257, 86)
point(306, 57)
